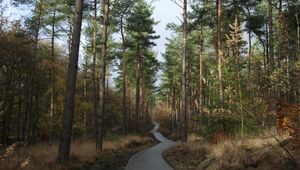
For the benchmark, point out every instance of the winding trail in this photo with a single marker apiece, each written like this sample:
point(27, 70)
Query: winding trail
point(151, 158)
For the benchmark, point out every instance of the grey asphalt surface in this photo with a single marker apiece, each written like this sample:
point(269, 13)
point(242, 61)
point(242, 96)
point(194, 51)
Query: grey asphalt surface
point(151, 158)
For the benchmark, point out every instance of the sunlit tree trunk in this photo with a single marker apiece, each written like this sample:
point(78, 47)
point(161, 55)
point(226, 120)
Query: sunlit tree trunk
point(219, 55)
point(183, 98)
point(100, 117)
point(219, 52)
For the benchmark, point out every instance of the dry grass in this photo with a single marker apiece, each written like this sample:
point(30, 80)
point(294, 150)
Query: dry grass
point(234, 146)
point(128, 141)
point(43, 156)
point(263, 153)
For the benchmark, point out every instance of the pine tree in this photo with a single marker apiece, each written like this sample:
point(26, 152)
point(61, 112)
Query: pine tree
point(140, 29)
point(66, 134)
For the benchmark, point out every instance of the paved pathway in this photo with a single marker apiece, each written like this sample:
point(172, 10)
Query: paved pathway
point(151, 158)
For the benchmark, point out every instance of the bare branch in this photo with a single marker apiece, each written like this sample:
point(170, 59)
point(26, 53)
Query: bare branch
point(179, 19)
point(177, 4)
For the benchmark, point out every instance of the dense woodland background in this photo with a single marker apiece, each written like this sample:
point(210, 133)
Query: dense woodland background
point(230, 70)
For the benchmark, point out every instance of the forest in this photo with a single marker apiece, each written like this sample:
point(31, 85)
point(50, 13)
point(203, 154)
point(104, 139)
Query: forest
point(82, 85)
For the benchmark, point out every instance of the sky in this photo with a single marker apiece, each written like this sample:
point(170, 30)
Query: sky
point(165, 11)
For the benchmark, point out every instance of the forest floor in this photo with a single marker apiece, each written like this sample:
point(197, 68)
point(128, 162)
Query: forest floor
point(115, 155)
point(251, 153)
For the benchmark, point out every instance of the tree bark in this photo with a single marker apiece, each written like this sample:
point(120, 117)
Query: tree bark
point(137, 91)
point(100, 117)
point(219, 52)
point(124, 88)
point(173, 110)
point(53, 65)
point(272, 61)
point(249, 56)
point(271, 36)
point(95, 101)
point(183, 100)
point(219, 55)
point(201, 92)
point(66, 133)
point(85, 79)
point(201, 79)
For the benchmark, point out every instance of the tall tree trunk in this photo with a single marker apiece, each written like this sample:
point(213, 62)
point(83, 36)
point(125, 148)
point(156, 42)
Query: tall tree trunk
point(272, 61)
point(219, 52)
point(95, 101)
point(201, 71)
point(267, 49)
point(298, 35)
point(173, 110)
point(287, 58)
point(298, 53)
point(129, 108)
point(142, 96)
point(267, 59)
point(279, 34)
point(219, 55)
point(201, 80)
point(85, 79)
point(52, 102)
point(100, 117)
point(183, 97)
point(249, 55)
point(53, 65)
point(137, 91)
point(66, 133)
point(237, 53)
point(279, 44)
point(271, 36)
point(124, 88)
point(188, 95)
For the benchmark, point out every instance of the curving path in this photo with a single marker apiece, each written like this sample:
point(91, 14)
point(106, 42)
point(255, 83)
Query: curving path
point(151, 158)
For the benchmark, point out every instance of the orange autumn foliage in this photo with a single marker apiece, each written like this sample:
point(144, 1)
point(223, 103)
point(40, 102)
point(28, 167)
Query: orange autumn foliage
point(287, 117)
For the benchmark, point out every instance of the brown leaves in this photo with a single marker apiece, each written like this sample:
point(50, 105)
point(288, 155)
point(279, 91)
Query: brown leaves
point(287, 117)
